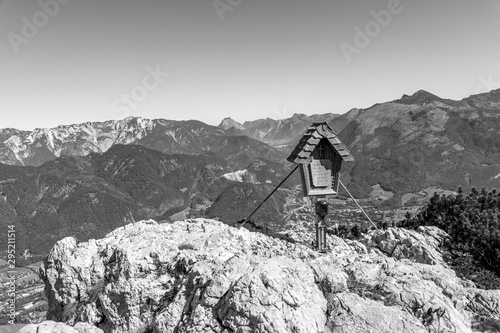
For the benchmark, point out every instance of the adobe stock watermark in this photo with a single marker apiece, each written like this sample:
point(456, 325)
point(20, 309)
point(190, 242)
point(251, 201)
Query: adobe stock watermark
point(487, 84)
point(372, 29)
point(223, 6)
point(152, 80)
point(31, 27)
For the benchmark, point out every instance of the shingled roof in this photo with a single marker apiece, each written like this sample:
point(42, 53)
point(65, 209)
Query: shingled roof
point(314, 134)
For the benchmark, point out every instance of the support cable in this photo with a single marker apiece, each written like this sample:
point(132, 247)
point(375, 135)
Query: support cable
point(357, 204)
point(277, 187)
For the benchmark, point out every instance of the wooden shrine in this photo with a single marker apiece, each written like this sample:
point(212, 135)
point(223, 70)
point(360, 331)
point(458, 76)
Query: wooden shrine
point(320, 154)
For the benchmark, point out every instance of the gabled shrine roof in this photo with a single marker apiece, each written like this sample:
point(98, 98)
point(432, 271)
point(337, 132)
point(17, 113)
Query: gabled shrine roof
point(314, 134)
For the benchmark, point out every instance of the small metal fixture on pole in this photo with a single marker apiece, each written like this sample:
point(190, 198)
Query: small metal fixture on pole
point(320, 153)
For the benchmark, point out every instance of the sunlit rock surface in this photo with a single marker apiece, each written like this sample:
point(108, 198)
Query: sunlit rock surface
point(203, 276)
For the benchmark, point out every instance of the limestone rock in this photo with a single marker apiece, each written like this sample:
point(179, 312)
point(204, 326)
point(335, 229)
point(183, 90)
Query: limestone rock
point(354, 314)
point(277, 296)
point(86, 328)
point(484, 302)
point(203, 276)
point(437, 236)
point(407, 244)
point(53, 327)
point(198, 275)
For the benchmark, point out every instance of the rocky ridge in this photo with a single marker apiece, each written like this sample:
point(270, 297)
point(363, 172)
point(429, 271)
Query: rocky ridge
point(33, 148)
point(55, 327)
point(203, 276)
point(276, 132)
point(404, 146)
point(422, 141)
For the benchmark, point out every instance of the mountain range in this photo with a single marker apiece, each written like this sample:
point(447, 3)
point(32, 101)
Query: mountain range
point(87, 179)
point(282, 131)
point(412, 143)
point(423, 141)
point(33, 148)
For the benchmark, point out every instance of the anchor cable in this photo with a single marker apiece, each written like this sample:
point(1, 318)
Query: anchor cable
point(357, 204)
point(277, 187)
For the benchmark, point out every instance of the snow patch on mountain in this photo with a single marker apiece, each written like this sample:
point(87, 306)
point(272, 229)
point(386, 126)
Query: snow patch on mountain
point(242, 176)
point(172, 134)
point(15, 143)
point(75, 139)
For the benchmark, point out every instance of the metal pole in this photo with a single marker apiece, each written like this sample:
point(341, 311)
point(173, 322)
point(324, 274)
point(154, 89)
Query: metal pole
point(321, 207)
point(362, 210)
point(277, 187)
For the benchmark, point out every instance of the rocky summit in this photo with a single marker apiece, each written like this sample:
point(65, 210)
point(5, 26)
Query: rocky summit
point(201, 275)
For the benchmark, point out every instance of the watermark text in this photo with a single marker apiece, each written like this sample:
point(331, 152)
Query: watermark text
point(11, 274)
point(363, 37)
point(140, 92)
point(223, 6)
point(31, 26)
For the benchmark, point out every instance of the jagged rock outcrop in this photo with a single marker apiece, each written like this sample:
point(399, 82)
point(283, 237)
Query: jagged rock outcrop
point(401, 243)
point(54, 327)
point(198, 275)
point(203, 276)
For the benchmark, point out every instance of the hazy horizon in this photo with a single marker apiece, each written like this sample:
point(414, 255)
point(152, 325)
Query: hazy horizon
point(67, 62)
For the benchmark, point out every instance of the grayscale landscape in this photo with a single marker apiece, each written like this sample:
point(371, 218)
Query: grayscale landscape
point(236, 166)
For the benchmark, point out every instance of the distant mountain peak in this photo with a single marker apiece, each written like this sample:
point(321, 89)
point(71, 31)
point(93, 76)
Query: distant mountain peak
point(298, 116)
point(229, 122)
point(422, 92)
point(420, 97)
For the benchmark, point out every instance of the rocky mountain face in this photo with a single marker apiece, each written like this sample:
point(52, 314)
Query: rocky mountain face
point(228, 123)
point(277, 132)
point(203, 276)
point(409, 144)
point(172, 137)
point(423, 141)
point(416, 142)
point(89, 196)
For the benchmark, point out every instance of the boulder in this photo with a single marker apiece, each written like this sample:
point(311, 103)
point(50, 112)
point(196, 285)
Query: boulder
point(204, 276)
point(407, 244)
point(194, 275)
point(54, 327)
point(351, 313)
point(87, 328)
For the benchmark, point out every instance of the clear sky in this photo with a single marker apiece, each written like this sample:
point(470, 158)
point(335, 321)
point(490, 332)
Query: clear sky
point(75, 61)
